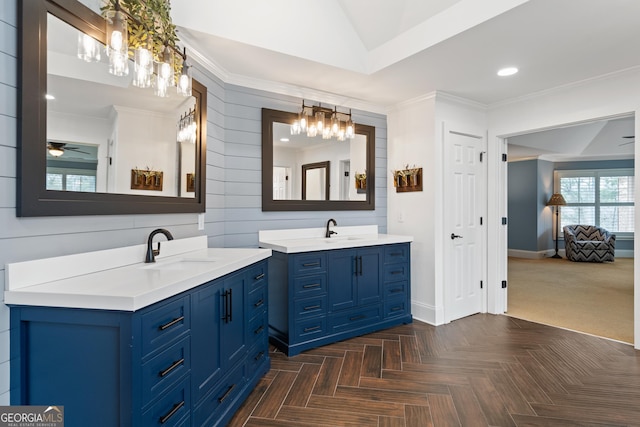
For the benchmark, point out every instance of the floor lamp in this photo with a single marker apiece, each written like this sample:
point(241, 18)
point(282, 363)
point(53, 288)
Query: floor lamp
point(557, 200)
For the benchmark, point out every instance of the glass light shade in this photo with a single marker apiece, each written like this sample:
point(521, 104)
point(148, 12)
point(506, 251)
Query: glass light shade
point(166, 70)
point(160, 84)
point(326, 132)
point(312, 130)
point(117, 43)
point(143, 67)
point(335, 125)
point(118, 64)
point(185, 81)
point(350, 132)
point(56, 152)
point(303, 122)
point(88, 48)
point(295, 127)
point(320, 121)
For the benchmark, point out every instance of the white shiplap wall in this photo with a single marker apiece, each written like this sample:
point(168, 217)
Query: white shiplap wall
point(233, 215)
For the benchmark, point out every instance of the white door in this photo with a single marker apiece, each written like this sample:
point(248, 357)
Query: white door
point(464, 201)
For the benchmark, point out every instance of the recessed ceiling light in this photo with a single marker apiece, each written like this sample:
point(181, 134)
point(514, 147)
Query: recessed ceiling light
point(284, 139)
point(49, 96)
point(508, 71)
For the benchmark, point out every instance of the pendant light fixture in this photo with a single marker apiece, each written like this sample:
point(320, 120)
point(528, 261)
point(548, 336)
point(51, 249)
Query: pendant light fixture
point(185, 82)
point(314, 120)
point(117, 41)
point(88, 48)
point(143, 65)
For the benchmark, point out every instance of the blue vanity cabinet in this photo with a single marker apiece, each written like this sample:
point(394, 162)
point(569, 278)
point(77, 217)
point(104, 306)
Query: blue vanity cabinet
point(189, 360)
point(321, 297)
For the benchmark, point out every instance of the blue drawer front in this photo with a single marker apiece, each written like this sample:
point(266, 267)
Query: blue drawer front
point(258, 328)
point(395, 307)
point(161, 372)
point(257, 276)
point(214, 403)
point(171, 409)
point(353, 318)
point(164, 324)
point(396, 289)
point(257, 301)
point(396, 272)
point(309, 263)
point(310, 329)
point(396, 253)
point(309, 307)
point(310, 285)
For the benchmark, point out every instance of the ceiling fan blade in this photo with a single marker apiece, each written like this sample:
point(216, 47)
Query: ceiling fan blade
point(629, 136)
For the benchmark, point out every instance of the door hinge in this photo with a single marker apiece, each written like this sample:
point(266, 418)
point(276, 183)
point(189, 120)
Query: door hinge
point(480, 220)
point(504, 284)
point(504, 157)
point(481, 284)
point(482, 156)
point(504, 220)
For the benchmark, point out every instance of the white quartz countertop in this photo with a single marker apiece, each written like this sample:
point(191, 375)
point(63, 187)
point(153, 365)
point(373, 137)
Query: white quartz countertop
point(126, 287)
point(313, 239)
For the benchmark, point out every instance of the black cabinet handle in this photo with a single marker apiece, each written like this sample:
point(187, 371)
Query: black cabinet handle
point(313, 328)
point(257, 331)
point(397, 272)
point(259, 303)
point(312, 285)
point(358, 317)
point(360, 265)
point(170, 324)
point(226, 393)
point(259, 356)
point(173, 366)
point(171, 413)
point(311, 264)
point(312, 307)
point(259, 276)
point(398, 308)
point(396, 254)
point(230, 305)
point(355, 266)
point(396, 290)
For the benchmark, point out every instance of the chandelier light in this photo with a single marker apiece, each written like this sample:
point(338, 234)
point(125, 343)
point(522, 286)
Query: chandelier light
point(187, 127)
point(141, 30)
point(314, 120)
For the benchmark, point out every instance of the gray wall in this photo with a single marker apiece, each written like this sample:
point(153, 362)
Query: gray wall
point(233, 216)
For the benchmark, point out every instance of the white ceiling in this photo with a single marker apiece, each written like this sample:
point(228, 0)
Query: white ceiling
point(382, 52)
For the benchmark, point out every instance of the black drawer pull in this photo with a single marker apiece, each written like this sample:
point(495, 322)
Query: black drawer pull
point(397, 272)
point(259, 303)
point(358, 317)
point(396, 253)
point(260, 329)
point(173, 366)
point(398, 308)
point(312, 307)
point(170, 324)
point(313, 328)
point(259, 356)
point(311, 264)
point(312, 285)
point(226, 393)
point(171, 413)
point(396, 290)
point(259, 276)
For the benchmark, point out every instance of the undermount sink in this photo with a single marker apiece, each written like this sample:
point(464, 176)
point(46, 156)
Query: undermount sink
point(179, 264)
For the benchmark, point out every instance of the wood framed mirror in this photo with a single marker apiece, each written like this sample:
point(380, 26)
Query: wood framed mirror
point(283, 156)
point(137, 140)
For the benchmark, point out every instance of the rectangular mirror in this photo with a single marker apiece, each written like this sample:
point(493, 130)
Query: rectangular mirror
point(290, 161)
point(90, 142)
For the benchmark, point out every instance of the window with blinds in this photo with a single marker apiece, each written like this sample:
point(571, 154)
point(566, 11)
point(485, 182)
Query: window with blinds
point(597, 197)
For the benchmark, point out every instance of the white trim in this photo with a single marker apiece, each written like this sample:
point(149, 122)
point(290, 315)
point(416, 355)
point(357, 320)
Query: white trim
point(425, 313)
point(518, 253)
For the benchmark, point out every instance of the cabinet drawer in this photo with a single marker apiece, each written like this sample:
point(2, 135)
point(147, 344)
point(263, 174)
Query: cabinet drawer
point(257, 301)
point(309, 307)
point(309, 263)
point(257, 356)
point(396, 253)
point(354, 318)
point(258, 327)
point(396, 272)
point(396, 289)
point(257, 276)
point(310, 285)
point(172, 407)
point(310, 329)
point(208, 411)
point(164, 324)
point(159, 373)
point(395, 307)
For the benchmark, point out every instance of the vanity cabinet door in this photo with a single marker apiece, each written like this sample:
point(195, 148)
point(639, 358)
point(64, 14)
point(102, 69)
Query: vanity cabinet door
point(233, 324)
point(355, 277)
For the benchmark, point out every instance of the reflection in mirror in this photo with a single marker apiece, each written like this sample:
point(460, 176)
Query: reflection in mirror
point(84, 151)
point(315, 181)
point(284, 156)
point(131, 128)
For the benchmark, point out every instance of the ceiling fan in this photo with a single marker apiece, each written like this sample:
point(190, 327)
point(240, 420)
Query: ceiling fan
point(629, 142)
point(57, 149)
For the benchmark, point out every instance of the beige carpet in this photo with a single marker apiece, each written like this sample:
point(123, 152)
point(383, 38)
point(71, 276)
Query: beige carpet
point(588, 297)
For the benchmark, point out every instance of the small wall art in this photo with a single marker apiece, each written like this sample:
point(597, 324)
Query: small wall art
point(146, 179)
point(407, 179)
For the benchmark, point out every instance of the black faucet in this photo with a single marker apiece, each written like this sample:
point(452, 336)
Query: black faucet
point(151, 253)
point(330, 232)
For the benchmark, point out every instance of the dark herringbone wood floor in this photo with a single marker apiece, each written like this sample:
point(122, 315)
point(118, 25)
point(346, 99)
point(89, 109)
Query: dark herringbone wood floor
point(483, 370)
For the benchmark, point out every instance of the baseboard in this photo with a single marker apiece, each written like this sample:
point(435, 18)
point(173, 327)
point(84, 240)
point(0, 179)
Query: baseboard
point(517, 253)
point(426, 313)
point(624, 253)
